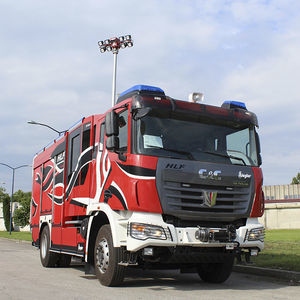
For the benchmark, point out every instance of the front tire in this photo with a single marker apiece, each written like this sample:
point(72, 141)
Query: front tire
point(48, 259)
point(107, 258)
point(216, 272)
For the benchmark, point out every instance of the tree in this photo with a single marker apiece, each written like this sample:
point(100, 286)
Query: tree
point(296, 180)
point(5, 199)
point(22, 214)
point(2, 193)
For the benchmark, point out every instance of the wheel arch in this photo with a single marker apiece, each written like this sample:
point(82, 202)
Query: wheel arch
point(43, 225)
point(98, 218)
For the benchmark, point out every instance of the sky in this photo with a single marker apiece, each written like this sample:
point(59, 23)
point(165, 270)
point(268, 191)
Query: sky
point(51, 70)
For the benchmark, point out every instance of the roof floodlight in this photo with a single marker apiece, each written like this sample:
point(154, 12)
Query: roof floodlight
point(115, 44)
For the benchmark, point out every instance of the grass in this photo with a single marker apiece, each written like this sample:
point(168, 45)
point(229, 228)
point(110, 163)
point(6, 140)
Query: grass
point(17, 235)
point(282, 250)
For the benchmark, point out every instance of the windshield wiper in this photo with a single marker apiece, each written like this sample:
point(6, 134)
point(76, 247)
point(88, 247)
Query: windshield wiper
point(188, 154)
point(225, 155)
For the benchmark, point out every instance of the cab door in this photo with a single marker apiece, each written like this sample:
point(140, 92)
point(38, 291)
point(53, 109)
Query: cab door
point(80, 150)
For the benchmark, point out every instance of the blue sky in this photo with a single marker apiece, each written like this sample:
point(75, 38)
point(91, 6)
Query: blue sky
point(52, 71)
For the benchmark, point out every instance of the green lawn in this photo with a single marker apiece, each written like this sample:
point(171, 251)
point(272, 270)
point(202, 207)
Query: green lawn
point(25, 236)
point(282, 250)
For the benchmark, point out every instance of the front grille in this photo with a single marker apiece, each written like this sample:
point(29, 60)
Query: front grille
point(190, 197)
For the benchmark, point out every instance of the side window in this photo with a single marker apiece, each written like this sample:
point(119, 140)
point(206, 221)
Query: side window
point(123, 130)
point(85, 145)
point(75, 151)
point(101, 141)
point(86, 139)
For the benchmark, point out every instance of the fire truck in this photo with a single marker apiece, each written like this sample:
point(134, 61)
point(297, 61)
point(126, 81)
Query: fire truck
point(154, 182)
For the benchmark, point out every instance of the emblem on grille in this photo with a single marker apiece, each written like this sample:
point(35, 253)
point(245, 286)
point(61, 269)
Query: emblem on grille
point(209, 199)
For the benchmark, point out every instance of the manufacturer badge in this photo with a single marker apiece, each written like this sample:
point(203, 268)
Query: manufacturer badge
point(209, 198)
point(242, 175)
point(212, 175)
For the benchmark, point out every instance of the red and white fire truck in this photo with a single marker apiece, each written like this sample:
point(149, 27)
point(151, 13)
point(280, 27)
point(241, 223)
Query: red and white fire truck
point(154, 182)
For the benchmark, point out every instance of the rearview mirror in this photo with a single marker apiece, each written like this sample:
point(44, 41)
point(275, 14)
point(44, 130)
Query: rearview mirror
point(112, 143)
point(111, 124)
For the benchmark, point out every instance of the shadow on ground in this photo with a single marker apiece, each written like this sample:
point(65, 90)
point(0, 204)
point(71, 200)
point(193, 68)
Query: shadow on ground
point(173, 279)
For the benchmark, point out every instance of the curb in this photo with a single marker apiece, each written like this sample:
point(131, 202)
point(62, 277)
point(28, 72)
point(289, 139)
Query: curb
point(275, 273)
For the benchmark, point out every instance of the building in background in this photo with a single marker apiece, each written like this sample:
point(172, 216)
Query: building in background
point(282, 192)
point(282, 206)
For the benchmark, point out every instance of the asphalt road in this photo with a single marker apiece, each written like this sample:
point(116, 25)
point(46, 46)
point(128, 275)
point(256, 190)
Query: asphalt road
point(23, 277)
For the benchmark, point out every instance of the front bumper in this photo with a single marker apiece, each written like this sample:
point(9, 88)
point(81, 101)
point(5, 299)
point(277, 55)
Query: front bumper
point(177, 236)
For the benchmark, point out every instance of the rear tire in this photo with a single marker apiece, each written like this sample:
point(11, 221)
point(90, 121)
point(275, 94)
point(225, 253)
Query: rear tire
point(107, 258)
point(215, 272)
point(48, 259)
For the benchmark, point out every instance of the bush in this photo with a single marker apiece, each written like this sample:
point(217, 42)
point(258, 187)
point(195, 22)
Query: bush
point(22, 214)
point(6, 212)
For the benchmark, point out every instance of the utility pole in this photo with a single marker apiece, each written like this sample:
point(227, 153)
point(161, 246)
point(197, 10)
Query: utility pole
point(12, 190)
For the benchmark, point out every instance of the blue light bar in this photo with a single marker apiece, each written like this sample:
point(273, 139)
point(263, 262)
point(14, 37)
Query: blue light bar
point(234, 104)
point(142, 88)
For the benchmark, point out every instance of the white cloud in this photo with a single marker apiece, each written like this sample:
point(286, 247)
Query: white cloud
point(270, 88)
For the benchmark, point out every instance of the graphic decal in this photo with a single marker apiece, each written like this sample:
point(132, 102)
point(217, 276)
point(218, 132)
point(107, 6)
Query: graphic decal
point(115, 190)
point(38, 178)
point(58, 194)
point(106, 169)
point(34, 207)
point(55, 195)
point(137, 172)
point(83, 160)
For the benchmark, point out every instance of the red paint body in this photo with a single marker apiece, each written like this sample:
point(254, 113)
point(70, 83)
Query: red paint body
point(60, 187)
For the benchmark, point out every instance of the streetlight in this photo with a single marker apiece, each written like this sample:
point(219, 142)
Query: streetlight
point(42, 124)
point(114, 44)
point(12, 190)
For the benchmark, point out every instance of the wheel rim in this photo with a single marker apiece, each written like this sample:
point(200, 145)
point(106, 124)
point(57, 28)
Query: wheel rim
point(44, 244)
point(103, 255)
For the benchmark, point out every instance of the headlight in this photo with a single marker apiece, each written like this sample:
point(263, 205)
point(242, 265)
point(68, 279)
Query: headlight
point(145, 231)
point(256, 234)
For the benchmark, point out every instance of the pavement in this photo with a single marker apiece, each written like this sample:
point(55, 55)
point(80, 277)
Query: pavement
point(291, 276)
point(23, 277)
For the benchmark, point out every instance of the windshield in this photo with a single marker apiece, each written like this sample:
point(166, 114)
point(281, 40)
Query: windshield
point(188, 139)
